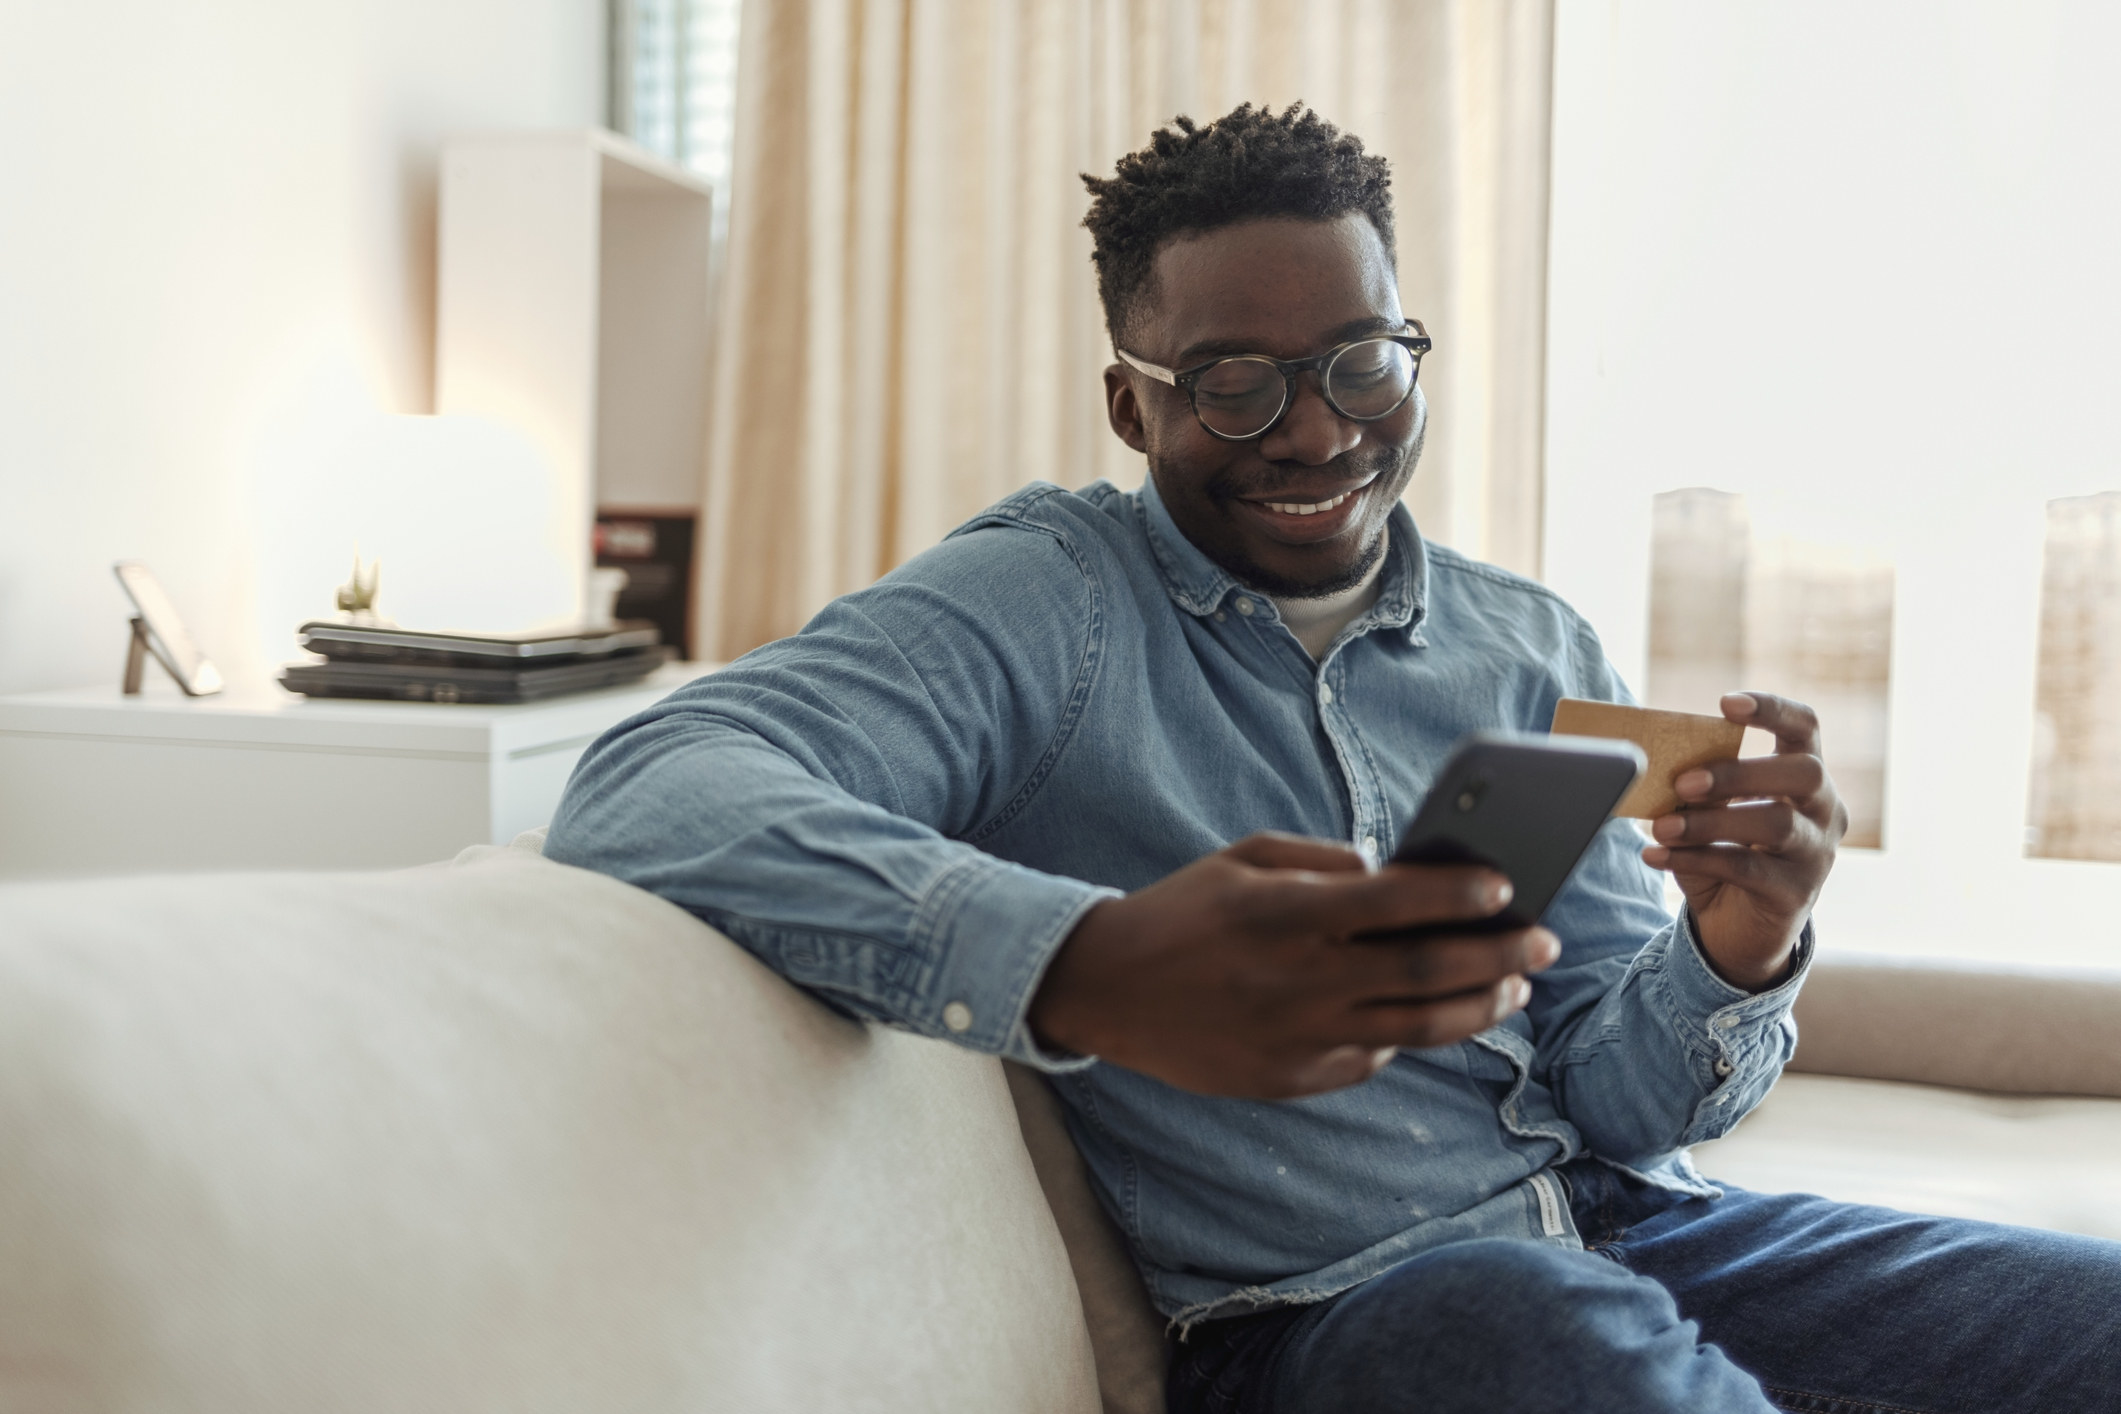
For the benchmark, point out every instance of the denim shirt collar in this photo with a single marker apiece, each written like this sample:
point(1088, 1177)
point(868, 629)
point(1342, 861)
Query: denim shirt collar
point(1199, 586)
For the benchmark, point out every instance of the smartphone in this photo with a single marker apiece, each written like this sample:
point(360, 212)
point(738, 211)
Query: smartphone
point(1526, 806)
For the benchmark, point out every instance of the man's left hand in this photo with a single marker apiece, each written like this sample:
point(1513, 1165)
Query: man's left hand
point(1752, 842)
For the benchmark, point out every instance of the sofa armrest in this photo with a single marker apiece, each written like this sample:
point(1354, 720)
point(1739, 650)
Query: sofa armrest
point(1964, 1025)
point(504, 1138)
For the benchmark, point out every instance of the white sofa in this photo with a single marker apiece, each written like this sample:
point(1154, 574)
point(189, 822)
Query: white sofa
point(504, 1135)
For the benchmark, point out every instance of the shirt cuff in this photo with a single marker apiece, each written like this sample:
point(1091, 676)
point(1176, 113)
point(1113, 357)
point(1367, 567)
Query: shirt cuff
point(1739, 1039)
point(991, 929)
point(1699, 989)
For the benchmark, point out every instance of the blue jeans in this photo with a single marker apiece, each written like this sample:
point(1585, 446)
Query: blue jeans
point(1749, 1303)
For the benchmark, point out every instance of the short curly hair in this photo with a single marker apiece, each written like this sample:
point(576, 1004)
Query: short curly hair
point(1249, 163)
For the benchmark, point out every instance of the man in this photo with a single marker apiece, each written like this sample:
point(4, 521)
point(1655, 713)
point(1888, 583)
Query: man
point(992, 798)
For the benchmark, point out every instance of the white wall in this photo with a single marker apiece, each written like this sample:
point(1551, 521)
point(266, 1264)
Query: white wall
point(210, 213)
point(1857, 262)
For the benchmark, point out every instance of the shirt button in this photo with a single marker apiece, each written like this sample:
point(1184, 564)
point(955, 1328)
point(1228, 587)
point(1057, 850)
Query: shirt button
point(957, 1016)
point(1325, 693)
point(1221, 617)
point(1369, 846)
point(1726, 1023)
point(1244, 606)
point(1723, 1067)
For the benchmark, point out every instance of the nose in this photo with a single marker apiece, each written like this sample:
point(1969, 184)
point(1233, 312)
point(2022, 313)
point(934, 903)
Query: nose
point(1310, 432)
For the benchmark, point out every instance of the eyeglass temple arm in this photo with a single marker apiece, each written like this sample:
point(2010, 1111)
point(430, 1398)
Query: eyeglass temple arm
point(1161, 375)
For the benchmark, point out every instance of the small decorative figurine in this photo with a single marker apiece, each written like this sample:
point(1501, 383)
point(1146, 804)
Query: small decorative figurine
point(357, 599)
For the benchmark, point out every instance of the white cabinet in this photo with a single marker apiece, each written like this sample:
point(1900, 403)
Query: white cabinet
point(572, 304)
point(92, 782)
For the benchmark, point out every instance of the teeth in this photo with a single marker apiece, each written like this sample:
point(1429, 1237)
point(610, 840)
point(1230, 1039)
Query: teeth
point(1290, 508)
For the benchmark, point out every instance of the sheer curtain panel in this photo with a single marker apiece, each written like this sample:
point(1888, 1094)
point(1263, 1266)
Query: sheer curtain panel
point(909, 323)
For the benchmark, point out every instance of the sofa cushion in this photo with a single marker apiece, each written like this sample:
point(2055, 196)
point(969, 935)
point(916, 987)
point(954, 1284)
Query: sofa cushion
point(504, 1136)
point(1973, 1027)
point(2052, 1163)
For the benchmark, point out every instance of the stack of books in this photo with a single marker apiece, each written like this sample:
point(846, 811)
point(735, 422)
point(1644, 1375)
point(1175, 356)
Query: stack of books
point(383, 661)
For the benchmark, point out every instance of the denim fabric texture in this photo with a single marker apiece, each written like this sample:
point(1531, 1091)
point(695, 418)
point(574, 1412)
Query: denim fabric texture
point(907, 806)
point(1740, 1304)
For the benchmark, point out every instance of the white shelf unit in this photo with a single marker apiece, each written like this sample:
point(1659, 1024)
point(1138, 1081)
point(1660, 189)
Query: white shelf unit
point(573, 304)
point(93, 782)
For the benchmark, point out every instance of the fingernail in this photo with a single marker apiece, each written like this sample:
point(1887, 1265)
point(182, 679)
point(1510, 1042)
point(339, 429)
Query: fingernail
point(1668, 828)
point(1693, 783)
point(1497, 893)
point(1545, 949)
point(1520, 993)
point(1656, 856)
point(1742, 703)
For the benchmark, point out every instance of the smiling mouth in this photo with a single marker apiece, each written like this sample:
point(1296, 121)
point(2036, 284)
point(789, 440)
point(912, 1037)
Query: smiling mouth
point(1307, 508)
point(1289, 506)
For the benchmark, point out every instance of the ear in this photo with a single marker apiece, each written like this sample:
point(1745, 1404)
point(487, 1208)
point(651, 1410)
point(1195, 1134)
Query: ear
point(1123, 410)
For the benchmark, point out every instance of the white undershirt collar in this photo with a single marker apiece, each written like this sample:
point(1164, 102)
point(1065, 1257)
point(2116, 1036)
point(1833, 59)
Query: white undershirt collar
point(1317, 622)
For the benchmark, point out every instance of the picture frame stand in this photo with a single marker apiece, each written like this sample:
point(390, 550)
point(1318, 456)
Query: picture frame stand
point(138, 649)
point(157, 630)
point(136, 653)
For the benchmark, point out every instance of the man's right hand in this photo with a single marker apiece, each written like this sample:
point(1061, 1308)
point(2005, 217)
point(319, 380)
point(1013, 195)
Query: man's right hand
point(1256, 970)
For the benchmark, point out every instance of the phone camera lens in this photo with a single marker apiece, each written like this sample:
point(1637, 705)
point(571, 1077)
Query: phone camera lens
point(1470, 796)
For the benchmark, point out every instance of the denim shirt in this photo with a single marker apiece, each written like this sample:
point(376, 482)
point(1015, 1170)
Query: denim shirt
point(907, 807)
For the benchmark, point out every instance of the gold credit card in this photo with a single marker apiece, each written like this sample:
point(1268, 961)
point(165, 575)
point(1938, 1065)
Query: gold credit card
point(1675, 742)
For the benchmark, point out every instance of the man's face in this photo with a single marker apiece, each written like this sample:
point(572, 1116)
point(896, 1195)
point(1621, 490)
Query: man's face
point(1287, 288)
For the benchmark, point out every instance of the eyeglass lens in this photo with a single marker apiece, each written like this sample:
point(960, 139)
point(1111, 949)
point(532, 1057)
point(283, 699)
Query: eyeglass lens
point(1241, 397)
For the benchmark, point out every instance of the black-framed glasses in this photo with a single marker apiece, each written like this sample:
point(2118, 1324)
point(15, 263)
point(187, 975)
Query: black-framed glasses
point(1243, 396)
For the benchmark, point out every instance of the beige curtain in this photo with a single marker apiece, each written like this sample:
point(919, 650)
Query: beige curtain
point(909, 326)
